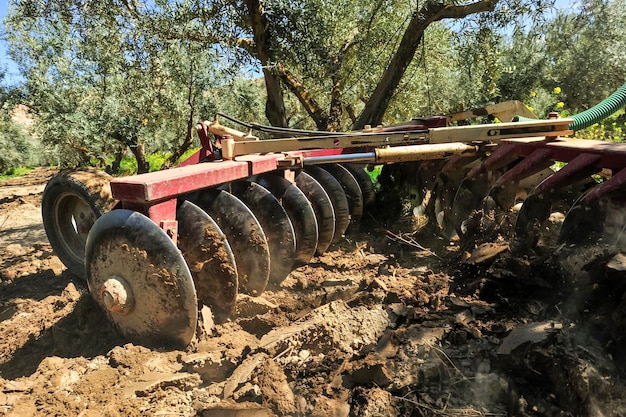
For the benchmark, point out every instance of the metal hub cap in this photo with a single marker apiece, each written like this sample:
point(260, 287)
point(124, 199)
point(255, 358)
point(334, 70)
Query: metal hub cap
point(117, 295)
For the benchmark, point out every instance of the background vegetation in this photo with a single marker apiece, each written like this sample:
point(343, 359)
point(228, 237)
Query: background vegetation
point(121, 84)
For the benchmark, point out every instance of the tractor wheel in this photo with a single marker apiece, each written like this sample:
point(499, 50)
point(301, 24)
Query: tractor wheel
point(72, 201)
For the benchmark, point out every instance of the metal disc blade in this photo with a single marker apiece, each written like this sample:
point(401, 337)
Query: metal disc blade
point(140, 279)
point(445, 190)
point(511, 193)
point(275, 223)
point(323, 208)
point(533, 220)
point(468, 197)
point(337, 197)
point(598, 223)
point(244, 234)
point(300, 213)
point(351, 189)
point(365, 183)
point(533, 213)
point(210, 259)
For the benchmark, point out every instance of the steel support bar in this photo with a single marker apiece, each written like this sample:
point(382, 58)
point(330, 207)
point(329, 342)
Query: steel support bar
point(503, 111)
point(398, 154)
point(541, 129)
point(232, 148)
point(614, 183)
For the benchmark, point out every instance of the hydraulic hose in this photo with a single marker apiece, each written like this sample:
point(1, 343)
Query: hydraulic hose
point(600, 111)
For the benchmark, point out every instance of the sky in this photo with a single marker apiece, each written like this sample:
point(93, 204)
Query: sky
point(13, 77)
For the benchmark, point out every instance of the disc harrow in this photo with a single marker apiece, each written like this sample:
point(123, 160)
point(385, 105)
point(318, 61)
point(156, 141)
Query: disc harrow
point(242, 213)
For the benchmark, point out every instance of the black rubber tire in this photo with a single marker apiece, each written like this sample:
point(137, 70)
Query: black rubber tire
point(72, 201)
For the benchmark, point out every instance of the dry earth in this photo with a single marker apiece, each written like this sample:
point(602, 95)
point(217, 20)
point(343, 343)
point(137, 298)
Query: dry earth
point(374, 327)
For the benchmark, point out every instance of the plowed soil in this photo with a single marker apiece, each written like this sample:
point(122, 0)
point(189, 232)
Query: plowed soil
point(377, 326)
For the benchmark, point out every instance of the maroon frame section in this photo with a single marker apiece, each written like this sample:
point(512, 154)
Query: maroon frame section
point(155, 194)
point(611, 154)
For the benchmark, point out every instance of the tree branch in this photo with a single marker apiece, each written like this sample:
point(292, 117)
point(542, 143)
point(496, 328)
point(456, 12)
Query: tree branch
point(311, 106)
point(427, 14)
point(275, 105)
point(459, 12)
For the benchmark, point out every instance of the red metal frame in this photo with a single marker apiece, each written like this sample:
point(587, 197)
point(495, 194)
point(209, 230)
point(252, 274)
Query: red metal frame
point(155, 194)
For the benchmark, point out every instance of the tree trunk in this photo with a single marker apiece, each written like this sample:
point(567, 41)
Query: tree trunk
point(140, 155)
point(311, 106)
point(336, 102)
point(431, 12)
point(275, 106)
point(114, 168)
point(191, 123)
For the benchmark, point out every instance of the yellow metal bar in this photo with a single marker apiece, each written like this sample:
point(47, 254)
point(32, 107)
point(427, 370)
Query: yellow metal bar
point(232, 148)
point(499, 131)
point(424, 152)
point(503, 111)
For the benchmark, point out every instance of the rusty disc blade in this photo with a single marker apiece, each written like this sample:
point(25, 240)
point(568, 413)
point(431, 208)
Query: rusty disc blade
point(337, 197)
point(322, 207)
point(137, 275)
point(350, 187)
point(244, 234)
point(300, 213)
point(365, 183)
point(210, 259)
point(275, 223)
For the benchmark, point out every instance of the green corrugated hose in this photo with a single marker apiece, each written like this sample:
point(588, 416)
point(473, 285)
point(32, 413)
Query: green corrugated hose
point(601, 111)
point(596, 114)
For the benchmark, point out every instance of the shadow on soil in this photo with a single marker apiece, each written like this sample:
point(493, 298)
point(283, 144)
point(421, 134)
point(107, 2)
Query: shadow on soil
point(84, 332)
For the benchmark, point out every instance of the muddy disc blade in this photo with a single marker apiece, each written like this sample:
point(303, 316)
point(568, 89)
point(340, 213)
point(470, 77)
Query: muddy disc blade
point(337, 197)
point(511, 193)
point(532, 223)
point(210, 259)
point(599, 223)
point(468, 198)
point(244, 234)
point(446, 186)
point(140, 279)
point(365, 183)
point(300, 213)
point(533, 213)
point(350, 188)
point(275, 223)
point(322, 207)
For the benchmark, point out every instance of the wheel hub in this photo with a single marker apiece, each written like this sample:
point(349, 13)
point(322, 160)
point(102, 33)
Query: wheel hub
point(117, 296)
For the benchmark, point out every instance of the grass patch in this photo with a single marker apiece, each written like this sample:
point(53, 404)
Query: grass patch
point(15, 172)
point(374, 174)
point(128, 165)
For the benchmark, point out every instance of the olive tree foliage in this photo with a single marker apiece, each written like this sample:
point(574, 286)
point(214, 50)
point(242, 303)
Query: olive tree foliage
point(343, 61)
point(107, 77)
point(587, 49)
point(573, 61)
point(100, 83)
point(17, 149)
